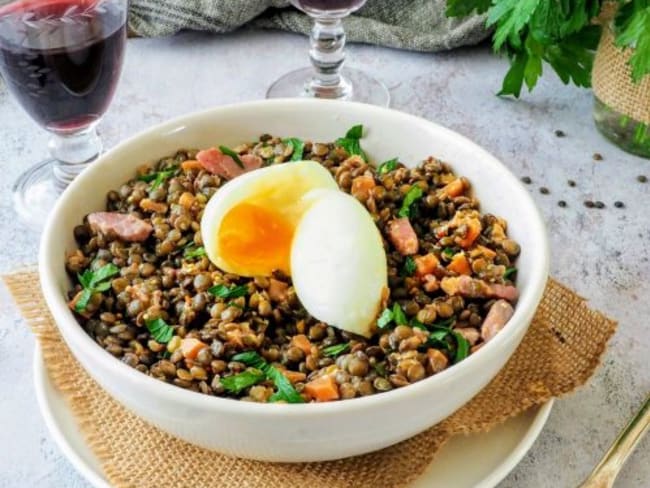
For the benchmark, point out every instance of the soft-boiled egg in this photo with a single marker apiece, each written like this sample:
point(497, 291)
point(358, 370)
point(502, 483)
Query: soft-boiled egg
point(292, 217)
point(338, 262)
point(248, 225)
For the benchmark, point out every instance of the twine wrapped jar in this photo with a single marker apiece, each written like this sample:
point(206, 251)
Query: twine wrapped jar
point(622, 107)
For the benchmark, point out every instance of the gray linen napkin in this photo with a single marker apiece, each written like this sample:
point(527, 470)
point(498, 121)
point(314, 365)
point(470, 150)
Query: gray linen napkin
point(419, 25)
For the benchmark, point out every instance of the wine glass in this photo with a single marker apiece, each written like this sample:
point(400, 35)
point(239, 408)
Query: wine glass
point(325, 79)
point(61, 60)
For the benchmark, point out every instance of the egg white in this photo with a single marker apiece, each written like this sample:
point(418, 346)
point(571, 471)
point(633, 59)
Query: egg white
point(338, 262)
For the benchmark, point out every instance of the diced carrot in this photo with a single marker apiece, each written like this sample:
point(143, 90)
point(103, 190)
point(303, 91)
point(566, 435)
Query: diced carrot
point(455, 188)
point(190, 347)
point(362, 186)
point(186, 199)
point(426, 264)
point(459, 264)
point(473, 231)
point(294, 376)
point(302, 342)
point(322, 389)
point(191, 164)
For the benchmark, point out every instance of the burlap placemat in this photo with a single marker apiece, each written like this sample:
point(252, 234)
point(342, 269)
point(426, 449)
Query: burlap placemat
point(559, 353)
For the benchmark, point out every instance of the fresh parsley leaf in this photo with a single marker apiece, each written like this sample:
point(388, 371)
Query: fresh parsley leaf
point(196, 252)
point(509, 272)
point(416, 324)
point(514, 78)
point(409, 266)
point(335, 350)
point(355, 132)
point(222, 291)
point(448, 252)
point(105, 272)
point(94, 282)
point(414, 194)
point(83, 300)
point(229, 152)
point(387, 166)
point(385, 318)
point(160, 330)
point(445, 324)
point(285, 392)
point(439, 336)
point(462, 8)
point(159, 177)
point(351, 142)
point(298, 147)
point(398, 315)
point(633, 31)
point(250, 358)
point(462, 347)
point(236, 383)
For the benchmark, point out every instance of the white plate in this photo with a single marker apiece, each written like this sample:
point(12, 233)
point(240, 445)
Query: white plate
point(493, 455)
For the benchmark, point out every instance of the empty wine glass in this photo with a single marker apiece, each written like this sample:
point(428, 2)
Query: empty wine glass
point(326, 79)
point(61, 60)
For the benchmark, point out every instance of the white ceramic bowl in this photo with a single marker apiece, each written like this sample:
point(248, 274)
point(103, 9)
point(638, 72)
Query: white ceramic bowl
point(307, 432)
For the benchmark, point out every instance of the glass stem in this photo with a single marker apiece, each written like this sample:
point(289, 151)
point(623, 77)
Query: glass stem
point(327, 55)
point(72, 153)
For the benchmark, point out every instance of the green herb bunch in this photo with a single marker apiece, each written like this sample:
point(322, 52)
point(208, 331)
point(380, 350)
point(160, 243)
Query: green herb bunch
point(560, 33)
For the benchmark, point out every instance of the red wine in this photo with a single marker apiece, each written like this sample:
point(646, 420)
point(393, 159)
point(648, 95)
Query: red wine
point(62, 58)
point(311, 6)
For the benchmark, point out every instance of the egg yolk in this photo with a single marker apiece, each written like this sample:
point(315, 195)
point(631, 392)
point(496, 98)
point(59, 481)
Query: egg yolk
point(256, 238)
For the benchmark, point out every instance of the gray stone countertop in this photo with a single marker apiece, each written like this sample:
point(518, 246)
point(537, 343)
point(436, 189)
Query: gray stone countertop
point(602, 254)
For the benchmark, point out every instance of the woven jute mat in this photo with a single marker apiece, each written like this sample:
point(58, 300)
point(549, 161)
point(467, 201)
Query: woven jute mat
point(560, 352)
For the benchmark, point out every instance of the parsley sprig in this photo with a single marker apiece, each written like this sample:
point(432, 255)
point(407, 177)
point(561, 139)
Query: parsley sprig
point(285, 390)
point(561, 34)
point(94, 282)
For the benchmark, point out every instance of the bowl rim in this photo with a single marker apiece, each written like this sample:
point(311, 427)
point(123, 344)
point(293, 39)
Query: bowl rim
point(76, 337)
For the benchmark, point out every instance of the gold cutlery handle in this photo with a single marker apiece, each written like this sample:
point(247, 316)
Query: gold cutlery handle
point(605, 472)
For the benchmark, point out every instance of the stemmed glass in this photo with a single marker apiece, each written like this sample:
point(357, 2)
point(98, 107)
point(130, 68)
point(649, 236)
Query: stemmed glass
point(61, 60)
point(325, 79)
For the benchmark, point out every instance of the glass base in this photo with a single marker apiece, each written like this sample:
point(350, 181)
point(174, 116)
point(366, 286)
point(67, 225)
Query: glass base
point(35, 193)
point(628, 134)
point(357, 87)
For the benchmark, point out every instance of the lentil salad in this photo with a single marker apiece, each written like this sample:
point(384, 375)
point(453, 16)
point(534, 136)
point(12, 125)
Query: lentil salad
point(147, 293)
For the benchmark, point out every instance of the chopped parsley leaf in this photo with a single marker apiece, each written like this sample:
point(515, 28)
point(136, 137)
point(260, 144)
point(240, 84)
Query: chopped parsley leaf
point(387, 166)
point(160, 330)
point(298, 147)
point(222, 291)
point(414, 194)
point(229, 152)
